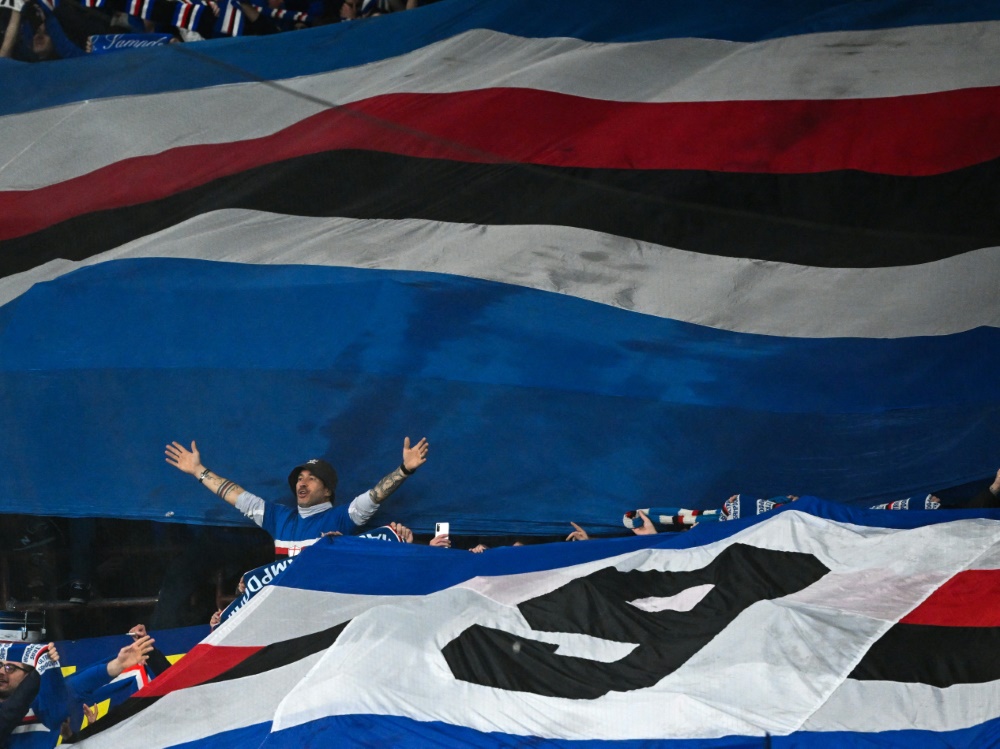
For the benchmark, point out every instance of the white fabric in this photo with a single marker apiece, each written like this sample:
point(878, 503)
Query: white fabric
point(750, 296)
point(48, 146)
point(769, 671)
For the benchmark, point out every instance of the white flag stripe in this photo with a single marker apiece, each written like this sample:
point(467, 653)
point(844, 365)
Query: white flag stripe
point(193, 713)
point(775, 298)
point(48, 146)
point(779, 667)
point(771, 682)
point(861, 706)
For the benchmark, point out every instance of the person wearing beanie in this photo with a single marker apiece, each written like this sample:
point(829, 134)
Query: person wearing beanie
point(18, 689)
point(314, 484)
point(30, 673)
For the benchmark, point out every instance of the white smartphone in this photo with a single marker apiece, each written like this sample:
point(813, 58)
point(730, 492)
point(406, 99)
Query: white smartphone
point(441, 529)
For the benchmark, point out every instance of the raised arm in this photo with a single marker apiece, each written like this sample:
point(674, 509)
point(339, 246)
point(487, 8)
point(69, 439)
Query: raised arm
point(131, 655)
point(10, 35)
point(413, 458)
point(189, 461)
point(990, 496)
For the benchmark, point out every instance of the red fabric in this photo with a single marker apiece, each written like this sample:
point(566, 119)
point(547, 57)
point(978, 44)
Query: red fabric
point(969, 599)
point(906, 135)
point(201, 664)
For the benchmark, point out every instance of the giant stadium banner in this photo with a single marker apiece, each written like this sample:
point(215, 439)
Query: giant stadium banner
point(815, 625)
point(602, 257)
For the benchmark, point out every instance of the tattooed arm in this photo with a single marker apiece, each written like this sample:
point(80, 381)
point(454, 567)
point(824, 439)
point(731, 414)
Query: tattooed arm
point(189, 461)
point(366, 505)
point(413, 458)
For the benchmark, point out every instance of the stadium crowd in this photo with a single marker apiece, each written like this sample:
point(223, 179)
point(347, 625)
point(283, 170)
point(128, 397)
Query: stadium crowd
point(44, 30)
point(39, 704)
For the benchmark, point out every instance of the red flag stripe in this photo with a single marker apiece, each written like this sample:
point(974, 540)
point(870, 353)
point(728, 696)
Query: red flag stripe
point(911, 135)
point(969, 599)
point(202, 663)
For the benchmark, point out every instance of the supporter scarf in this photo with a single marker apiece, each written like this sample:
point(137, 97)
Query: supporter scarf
point(383, 533)
point(32, 654)
point(256, 580)
point(188, 15)
point(740, 504)
point(920, 502)
point(284, 14)
point(231, 19)
point(743, 505)
point(103, 43)
point(51, 706)
point(670, 517)
point(140, 9)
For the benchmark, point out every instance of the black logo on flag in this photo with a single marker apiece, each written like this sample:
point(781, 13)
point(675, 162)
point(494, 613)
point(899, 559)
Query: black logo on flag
point(599, 605)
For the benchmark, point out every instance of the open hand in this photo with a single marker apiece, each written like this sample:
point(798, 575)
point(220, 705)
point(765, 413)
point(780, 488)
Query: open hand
point(183, 459)
point(416, 456)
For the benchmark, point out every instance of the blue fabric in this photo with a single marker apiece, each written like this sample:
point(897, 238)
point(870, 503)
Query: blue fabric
point(256, 580)
point(357, 43)
point(80, 653)
point(240, 738)
point(542, 408)
point(103, 43)
point(394, 569)
point(91, 684)
point(419, 570)
point(548, 399)
point(918, 502)
point(403, 733)
point(383, 533)
point(87, 681)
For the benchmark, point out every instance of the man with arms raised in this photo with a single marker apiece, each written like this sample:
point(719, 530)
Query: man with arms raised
point(314, 484)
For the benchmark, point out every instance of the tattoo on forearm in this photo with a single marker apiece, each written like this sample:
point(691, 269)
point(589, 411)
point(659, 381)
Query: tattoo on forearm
point(387, 486)
point(221, 486)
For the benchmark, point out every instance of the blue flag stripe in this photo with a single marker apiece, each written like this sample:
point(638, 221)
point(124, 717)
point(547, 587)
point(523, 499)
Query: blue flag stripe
point(346, 45)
